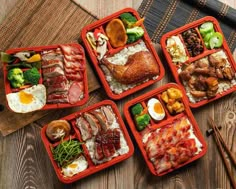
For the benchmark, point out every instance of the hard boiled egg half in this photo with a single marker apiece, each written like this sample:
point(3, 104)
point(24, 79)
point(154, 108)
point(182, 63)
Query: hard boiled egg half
point(155, 109)
point(27, 100)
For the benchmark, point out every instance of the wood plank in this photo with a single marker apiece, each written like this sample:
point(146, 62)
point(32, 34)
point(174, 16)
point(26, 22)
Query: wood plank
point(24, 163)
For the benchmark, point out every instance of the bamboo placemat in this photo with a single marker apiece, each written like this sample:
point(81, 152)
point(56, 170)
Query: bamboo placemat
point(164, 16)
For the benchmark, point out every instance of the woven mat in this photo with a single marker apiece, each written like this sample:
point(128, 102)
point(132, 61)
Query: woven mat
point(164, 16)
point(39, 23)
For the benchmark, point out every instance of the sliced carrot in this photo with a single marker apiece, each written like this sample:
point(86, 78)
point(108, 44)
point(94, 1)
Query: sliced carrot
point(139, 22)
point(25, 86)
point(145, 110)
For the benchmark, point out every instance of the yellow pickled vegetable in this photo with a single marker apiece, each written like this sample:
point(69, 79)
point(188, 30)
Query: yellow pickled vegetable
point(34, 58)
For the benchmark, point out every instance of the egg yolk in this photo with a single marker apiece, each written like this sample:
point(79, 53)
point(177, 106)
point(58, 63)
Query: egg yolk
point(73, 165)
point(25, 98)
point(158, 108)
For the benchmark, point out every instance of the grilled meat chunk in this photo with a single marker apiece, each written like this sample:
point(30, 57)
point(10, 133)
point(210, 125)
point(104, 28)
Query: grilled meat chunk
point(84, 127)
point(102, 119)
point(93, 122)
point(139, 67)
point(108, 114)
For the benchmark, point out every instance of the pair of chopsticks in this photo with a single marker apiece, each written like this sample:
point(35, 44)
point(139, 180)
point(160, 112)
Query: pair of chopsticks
point(220, 144)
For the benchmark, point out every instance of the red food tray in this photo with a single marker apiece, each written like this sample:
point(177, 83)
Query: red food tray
point(169, 120)
point(206, 52)
point(40, 49)
point(101, 25)
point(75, 134)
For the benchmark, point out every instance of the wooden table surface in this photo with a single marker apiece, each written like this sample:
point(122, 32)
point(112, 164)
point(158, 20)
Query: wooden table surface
point(24, 163)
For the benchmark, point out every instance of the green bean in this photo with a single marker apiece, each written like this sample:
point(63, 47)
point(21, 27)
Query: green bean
point(66, 152)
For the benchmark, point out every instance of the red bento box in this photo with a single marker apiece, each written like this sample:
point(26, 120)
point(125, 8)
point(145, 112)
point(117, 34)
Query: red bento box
point(199, 95)
point(161, 142)
point(39, 50)
point(76, 134)
point(100, 24)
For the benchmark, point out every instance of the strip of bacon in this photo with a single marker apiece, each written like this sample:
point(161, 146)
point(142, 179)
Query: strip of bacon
point(75, 77)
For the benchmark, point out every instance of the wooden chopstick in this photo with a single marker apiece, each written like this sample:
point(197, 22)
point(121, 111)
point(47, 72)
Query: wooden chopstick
point(217, 139)
point(225, 146)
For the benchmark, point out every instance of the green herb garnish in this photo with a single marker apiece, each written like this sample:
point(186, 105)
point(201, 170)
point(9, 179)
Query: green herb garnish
point(66, 152)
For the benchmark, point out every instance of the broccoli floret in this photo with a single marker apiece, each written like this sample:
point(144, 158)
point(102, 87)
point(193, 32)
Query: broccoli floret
point(128, 19)
point(16, 84)
point(16, 77)
point(134, 33)
point(137, 109)
point(32, 76)
point(142, 121)
point(131, 38)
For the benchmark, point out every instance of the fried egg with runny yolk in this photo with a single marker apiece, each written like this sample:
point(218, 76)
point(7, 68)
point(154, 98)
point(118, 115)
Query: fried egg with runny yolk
point(27, 100)
point(155, 109)
point(75, 167)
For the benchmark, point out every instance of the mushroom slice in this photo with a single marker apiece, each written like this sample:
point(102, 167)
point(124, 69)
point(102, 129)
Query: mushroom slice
point(57, 129)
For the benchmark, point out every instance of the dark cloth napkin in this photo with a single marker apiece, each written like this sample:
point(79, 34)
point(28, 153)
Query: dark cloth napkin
point(162, 16)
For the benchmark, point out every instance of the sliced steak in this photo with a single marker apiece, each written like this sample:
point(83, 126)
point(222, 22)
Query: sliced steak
point(93, 122)
point(85, 129)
